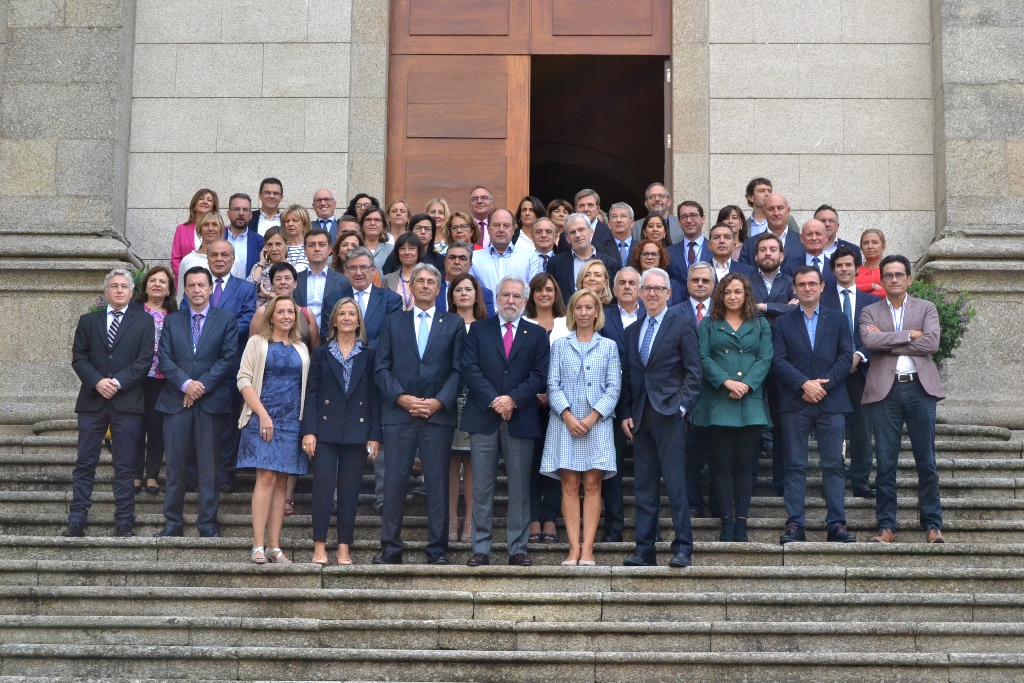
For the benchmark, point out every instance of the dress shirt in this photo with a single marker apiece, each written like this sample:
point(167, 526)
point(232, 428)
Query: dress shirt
point(489, 267)
point(366, 297)
point(315, 285)
point(643, 331)
point(698, 244)
point(853, 302)
point(619, 244)
point(809, 261)
point(831, 249)
point(241, 247)
point(768, 282)
point(110, 319)
point(721, 270)
point(268, 222)
point(811, 322)
point(705, 311)
point(578, 262)
point(756, 228)
point(485, 239)
point(544, 258)
point(416, 310)
point(903, 363)
point(627, 317)
point(202, 323)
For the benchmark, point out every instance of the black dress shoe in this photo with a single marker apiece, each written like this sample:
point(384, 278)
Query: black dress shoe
point(74, 530)
point(478, 560)
point(838, 534)
point(387, 558)
point(437, 558)
point(793, 533)
point(227, 487)
point(155, 490)
point(124, 531)
point(210, 533)
point(520, 560)
point(864, 492)
point(639, 561)
point(169, 531)
point(138, 489)
point(658, 538)
point(679, 560)
point(612, 537)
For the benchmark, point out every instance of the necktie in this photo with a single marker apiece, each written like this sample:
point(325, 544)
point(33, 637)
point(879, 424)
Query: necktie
point(645, 348)
point(197, 326)
point(421, 341)
point(545, 257)
point(360, 299)
point(114, 324)
point(848, 308)
point(691, 254)
point(700, 312)
point(218, 292)
point(324, 223)
point(816, 262)
point(507, 339)
point(623, 252)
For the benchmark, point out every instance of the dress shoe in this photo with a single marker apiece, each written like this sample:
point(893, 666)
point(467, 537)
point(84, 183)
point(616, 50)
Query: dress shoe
point(437, 558)
point(935, 536)
point(838, 533)
point(153, 490)
point(210, 533)
point(520, 560)
point(793, 533)
point(639, 561)
point(74, 530)
point(864, 492)
point(728, 533)
point(658, 538)
point(739, 531)
point(227, 487)
point(387, 558)
point(612, 537)
point(478, 560)
point(123, 531)
point(679, 560)
point(168, 532)
point(884, 536)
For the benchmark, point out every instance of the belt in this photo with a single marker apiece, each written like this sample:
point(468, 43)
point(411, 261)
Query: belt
point(906, 377)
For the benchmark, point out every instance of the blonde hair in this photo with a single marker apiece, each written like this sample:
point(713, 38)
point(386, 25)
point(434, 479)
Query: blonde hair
point(303, 215)
point(332, 326)
point(266, 328)
point(570, 317)
point(605, 295)
point(444, 205)
point(201, 221)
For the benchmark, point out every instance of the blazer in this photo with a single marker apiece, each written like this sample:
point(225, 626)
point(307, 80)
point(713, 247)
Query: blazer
point(337, 416)
point(332, 226)
point(581, 376)
point(212, 362)
point(603, 241)
point(673, 368)
point(777, 303)
point(400, 370)
point(889, 344)
point(795, 361)
point(677, 259)
point(250, 373)
point(831, 299)
point(183, 244)
point(239, 297)
point(442, 298)
point(383, 302)
point(826, 268)
point(488, 375)
point(253, 247)
point(743, 355)
point(843, 243)
point(337, 287)
point(738, 267)
point(613, 328)
point(793, 256)
point(128, 360)
point(560, 267)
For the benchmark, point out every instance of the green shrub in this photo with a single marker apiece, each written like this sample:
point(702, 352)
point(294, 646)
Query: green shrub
point(955, 314)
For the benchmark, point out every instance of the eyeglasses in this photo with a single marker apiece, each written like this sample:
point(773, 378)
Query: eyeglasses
point(364, 205)
point(889, 277)
point(373, 220)
point(358, 269)
point(658, 196)
point(689, 216)
point(460, 226)
point(239, 209)
point(323, 200)
point(646, 289)
point(807, 285)
point(482, 198)
point(271, 193)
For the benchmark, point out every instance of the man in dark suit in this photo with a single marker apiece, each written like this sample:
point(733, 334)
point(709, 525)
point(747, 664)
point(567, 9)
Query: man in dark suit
point(376, 303)
point(419, 361)
point(813, 355)
point(693, 248)
point(844, 296)
point(247, 244)
point(588, 203)
point(723, 243)
point(238, 297)
point(660, 386)
point(324, 205)
point(271, 195)
point(564, 266)
point(112, 352)
point(456, 263)
point(198, 348)
point(830, 217)
point(505, 366)
point(776, 208)
point(620, 222)
point(659, 203)
point(318, 282)
point(813, 237)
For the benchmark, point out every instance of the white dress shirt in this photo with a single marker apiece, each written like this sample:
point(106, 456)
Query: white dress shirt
point(240, 243)
point(903, 363)
point(268, 222)
point(627, 317)
point(720, 270)
point(315, 285)
point(489, 267)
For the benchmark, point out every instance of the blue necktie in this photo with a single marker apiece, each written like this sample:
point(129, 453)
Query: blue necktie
point(421, 342)
point(816, 262)
point(623, 252)
point(848, 308)
point(645, 348)
point(197, 322)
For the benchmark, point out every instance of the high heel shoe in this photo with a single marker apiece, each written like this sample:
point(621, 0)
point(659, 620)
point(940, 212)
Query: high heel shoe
point(587, 563)
point(570, 563)
point(453, 531)
point(467, 532)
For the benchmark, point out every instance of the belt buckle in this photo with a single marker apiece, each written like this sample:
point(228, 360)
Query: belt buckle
point(904, 377)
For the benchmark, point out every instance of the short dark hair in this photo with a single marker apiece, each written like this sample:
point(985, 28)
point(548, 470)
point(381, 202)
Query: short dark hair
point(240, 195)
point(205, 271)
point(283, 265)
point(479, 309)
point(894, 258)
point(316, 232)
point(271, 181)
point(413, 239)
point(807, 269)
point(843, 250)
point(719, 225)
point(768, 235)
point(753, 184)
point(826, 207)
point(690, 202)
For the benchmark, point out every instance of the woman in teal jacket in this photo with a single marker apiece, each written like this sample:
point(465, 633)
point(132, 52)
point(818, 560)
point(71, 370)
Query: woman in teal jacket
point(735, 353)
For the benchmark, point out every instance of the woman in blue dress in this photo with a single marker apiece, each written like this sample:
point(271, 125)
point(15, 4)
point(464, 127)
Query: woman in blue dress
point(272, 380)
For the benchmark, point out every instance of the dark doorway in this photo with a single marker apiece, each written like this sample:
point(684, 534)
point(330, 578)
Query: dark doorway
point(597, 122)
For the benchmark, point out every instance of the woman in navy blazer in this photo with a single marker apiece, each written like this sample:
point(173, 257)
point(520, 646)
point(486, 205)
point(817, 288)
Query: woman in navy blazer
point(341, 426)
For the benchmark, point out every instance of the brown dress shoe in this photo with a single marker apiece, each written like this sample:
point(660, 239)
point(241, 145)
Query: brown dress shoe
point(884, 536)
point(935, 536)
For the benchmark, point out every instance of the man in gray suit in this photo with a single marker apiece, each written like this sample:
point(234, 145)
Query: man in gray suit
point(658, 201)
point(903, 388)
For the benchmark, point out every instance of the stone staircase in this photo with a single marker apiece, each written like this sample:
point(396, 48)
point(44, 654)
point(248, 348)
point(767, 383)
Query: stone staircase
point(194, 608)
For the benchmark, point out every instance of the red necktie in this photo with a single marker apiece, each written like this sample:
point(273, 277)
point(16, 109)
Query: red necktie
point(700, 309)
point(691, 255)
point(508, 339)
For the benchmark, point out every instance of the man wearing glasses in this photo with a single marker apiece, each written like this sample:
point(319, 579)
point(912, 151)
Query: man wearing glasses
point(902, 388)
point(693, 247)
point(247, 243)
point(481, 203)
point(456, 263)
point(324, 205)
point(269, 215)
point(658, 201)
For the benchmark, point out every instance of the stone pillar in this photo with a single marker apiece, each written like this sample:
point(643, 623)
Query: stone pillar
point(65, 80)
point(979, 122)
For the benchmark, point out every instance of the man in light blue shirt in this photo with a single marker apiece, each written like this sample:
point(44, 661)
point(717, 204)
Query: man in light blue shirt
point(501, 258)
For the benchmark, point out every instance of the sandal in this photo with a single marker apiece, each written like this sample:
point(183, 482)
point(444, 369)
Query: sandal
point(549, 538)
point(534, 538)
point(277, 556)
point(289, 507)
point(467, 532)
point(453, 531)
point(258, 556)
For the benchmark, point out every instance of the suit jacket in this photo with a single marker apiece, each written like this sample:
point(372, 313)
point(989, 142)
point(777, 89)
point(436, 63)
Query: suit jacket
point(793, 257)
point(743, 355)
point(253, 246)
point(334, 415)
point(673, 369)
point(677, 259)
point(337, 287)
point(831, 299)
point(442, 298)
point(777, 302)
point(239, 298)
point(843, 243)
point(332, 226)
point(603, 241)
point(738, 267)
point(383, 302)
point(889, 344)
point(488, 375)
point(212, 362)
point(128, 360)
point(614, 330)
point(400, 370)
point(795, 361)
point(560, 267)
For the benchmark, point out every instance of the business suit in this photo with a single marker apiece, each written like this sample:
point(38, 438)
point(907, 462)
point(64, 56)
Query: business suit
point(858, 423)
point(659, 434)
point(442, 298)
point(337, 287)
point(253, 249)
point(328, 225)
point(562, 268)
point(737, 267)
point(793, 252)
point(343, 421)
point(401, 371)
point(906, 399)
point(380, 304)
point(127, 361)
point(777, 301)
point(602, 239)
point(678, 263)
point(212, 362)
point(488, 374)
point(797, 360)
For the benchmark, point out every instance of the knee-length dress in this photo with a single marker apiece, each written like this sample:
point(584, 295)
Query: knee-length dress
point(582, 376)
point(280, 395)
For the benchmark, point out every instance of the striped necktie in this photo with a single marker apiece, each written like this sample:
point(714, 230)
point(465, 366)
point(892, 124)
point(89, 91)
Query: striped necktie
point(112, 331)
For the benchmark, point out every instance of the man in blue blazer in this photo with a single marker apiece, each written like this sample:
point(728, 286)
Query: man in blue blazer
point(694, 247)
point(562, 266)
point(660, 387)
point(324, 205)
point(318, 282)
point(504, 366)
point(458, 260)
point(813, 354)
point(247, 244)
point(776, 208)
point(419, 360)
point(376, 303)
point(197, 353)
point(843, 296)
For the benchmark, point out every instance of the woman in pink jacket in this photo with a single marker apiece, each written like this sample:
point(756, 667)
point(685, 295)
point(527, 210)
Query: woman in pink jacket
point(186, 239)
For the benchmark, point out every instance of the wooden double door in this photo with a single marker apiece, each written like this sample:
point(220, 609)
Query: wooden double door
point(459, 84)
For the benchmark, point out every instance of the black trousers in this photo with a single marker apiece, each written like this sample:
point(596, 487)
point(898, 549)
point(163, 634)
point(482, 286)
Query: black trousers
point(124, 432)
point(193, 426)
point(150, 453)
point(337, 468)
point(545, 492)
point(732, 450)
point(611, 489)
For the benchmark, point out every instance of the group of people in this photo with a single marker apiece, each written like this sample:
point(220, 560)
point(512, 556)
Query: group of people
point(551, 341)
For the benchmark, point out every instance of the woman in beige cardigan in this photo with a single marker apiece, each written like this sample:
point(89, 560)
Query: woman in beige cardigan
point(272, 379)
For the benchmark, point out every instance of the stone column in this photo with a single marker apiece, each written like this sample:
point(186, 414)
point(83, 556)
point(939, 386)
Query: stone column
point(979, 128)
point(65, 80)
